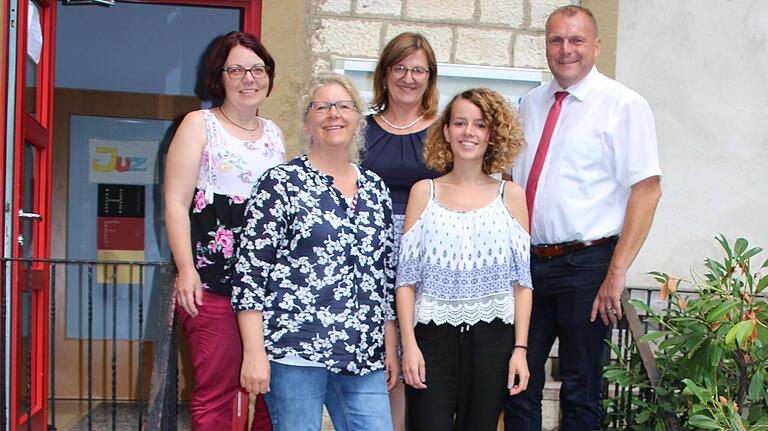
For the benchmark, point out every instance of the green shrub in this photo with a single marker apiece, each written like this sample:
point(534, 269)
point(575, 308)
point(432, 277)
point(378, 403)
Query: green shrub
point(711, 346)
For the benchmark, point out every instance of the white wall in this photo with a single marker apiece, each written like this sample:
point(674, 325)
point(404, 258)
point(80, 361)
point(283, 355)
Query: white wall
point(701, 64)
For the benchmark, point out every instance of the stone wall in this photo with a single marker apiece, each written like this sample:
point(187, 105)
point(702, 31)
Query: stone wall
point(479, 32)
point(304, 35)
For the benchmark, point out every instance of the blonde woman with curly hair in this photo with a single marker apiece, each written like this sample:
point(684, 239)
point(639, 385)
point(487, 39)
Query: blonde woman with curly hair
point(463, 278)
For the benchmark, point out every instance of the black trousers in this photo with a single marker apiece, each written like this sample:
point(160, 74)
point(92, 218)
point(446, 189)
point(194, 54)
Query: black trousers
point(564, 288)
point(466, 377)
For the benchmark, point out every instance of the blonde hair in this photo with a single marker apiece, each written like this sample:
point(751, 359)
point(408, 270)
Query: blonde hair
point(401, 46)
point(357, 147)
point(505, 133)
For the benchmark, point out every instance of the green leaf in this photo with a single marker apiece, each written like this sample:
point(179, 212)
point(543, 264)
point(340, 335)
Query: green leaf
point(701, 393)
point(764, 264)
point(739, 332)
point(757, 387)
point(653, 335)
point(751, 252)
point(740, 246)
point(724, 243)
point(716, 267)
point(643, 416)
point(718, 312)
point(703, 422)
point(761, 284)
point(641, 305)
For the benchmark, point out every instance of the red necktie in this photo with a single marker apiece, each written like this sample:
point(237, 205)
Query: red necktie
point(541, 153)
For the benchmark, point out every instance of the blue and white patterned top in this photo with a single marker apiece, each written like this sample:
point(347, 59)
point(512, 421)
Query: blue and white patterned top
point(321, 273)
point(465, 264)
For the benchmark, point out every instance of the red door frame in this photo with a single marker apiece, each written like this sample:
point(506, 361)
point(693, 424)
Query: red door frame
point(38, 131)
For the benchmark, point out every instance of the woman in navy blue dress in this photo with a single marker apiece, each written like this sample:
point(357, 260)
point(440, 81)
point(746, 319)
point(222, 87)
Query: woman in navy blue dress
point(405, 100)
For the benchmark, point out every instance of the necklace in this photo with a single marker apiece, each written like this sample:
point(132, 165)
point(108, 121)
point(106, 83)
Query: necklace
point(403, 127)
point(250, 131)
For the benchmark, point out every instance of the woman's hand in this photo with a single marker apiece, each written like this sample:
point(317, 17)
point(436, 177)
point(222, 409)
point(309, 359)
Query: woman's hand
point(518, 367)
point(254, 373)
point(391, 369)
point(189, 291)
point(414, 368)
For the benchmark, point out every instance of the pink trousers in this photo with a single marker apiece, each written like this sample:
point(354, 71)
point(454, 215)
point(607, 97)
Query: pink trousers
point(217, 352)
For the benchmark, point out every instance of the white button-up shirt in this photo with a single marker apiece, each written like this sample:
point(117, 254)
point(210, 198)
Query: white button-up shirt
point(603, 143)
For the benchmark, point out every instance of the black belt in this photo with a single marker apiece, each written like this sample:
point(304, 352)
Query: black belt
point(548, 251)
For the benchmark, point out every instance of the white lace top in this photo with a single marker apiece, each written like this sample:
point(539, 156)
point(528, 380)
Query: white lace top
point(465, 264)
point(231, 166)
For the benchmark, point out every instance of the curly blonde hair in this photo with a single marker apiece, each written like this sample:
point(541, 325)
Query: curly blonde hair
point(505, 133)
point(319, 81)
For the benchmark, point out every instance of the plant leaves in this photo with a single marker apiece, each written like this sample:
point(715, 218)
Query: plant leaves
point(757, 387)
point(701, 393)
point(653, 335)
point(641, 305)
point(703, 422)
point(751, 252)
point(762, 283)
point(724, 243)
point(740, 246)
point(739, 333)
point(718, 312)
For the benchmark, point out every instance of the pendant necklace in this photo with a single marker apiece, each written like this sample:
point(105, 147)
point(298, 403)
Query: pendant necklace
point(251, 132)
point(403, 127)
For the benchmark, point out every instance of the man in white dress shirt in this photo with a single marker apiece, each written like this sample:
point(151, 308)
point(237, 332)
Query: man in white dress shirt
point(592, 199)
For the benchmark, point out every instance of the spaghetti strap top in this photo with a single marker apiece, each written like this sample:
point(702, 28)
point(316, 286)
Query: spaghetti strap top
point(465, 264)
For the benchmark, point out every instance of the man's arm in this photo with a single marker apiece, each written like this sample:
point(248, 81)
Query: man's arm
point(641, 208)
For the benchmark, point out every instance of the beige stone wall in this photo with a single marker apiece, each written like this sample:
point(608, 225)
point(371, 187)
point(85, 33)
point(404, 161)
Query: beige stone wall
point(478, 32)
point(304, 35)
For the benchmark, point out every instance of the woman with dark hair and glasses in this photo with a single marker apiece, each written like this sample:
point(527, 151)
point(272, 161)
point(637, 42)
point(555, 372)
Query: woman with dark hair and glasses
point(313, 286)
point(213, 162)
point(405, 100)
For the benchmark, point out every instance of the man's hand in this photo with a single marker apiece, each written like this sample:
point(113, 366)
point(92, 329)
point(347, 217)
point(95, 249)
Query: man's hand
point(608, 299)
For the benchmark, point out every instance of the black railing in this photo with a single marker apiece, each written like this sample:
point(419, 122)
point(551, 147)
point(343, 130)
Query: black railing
point(109, 303)
point(95, 280)
point(628, 349)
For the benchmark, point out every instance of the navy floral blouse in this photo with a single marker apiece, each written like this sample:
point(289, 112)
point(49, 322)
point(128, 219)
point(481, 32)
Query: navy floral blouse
point(320, 272)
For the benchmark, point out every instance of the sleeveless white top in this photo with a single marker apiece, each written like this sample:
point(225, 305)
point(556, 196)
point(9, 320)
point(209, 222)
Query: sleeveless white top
point(230, 166)
point(465, 264)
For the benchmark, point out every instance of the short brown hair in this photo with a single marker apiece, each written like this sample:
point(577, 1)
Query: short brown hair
point(220, 51)
point(401, 46)
point(505, 133)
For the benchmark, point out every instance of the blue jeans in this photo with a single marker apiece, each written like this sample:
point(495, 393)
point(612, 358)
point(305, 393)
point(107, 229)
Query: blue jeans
point(297, 394)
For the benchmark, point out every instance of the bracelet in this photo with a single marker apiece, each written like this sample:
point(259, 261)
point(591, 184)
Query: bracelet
point(520, 346)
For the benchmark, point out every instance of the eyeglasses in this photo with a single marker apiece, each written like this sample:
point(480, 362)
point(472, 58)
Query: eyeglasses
point(324, 107)
point(258, 71)
point(418, 73)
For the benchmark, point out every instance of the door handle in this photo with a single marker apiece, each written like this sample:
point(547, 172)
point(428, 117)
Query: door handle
point(32, 216)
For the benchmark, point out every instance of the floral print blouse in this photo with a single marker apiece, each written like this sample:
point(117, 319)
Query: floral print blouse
point(320, 272)
point(229, 167)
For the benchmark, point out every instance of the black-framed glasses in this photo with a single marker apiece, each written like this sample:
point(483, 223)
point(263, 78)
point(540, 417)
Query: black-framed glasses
point(258, 71)
point(418, 73)
point(324, 106)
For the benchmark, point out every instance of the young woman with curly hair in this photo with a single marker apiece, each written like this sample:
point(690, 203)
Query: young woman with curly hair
point(464, 282)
